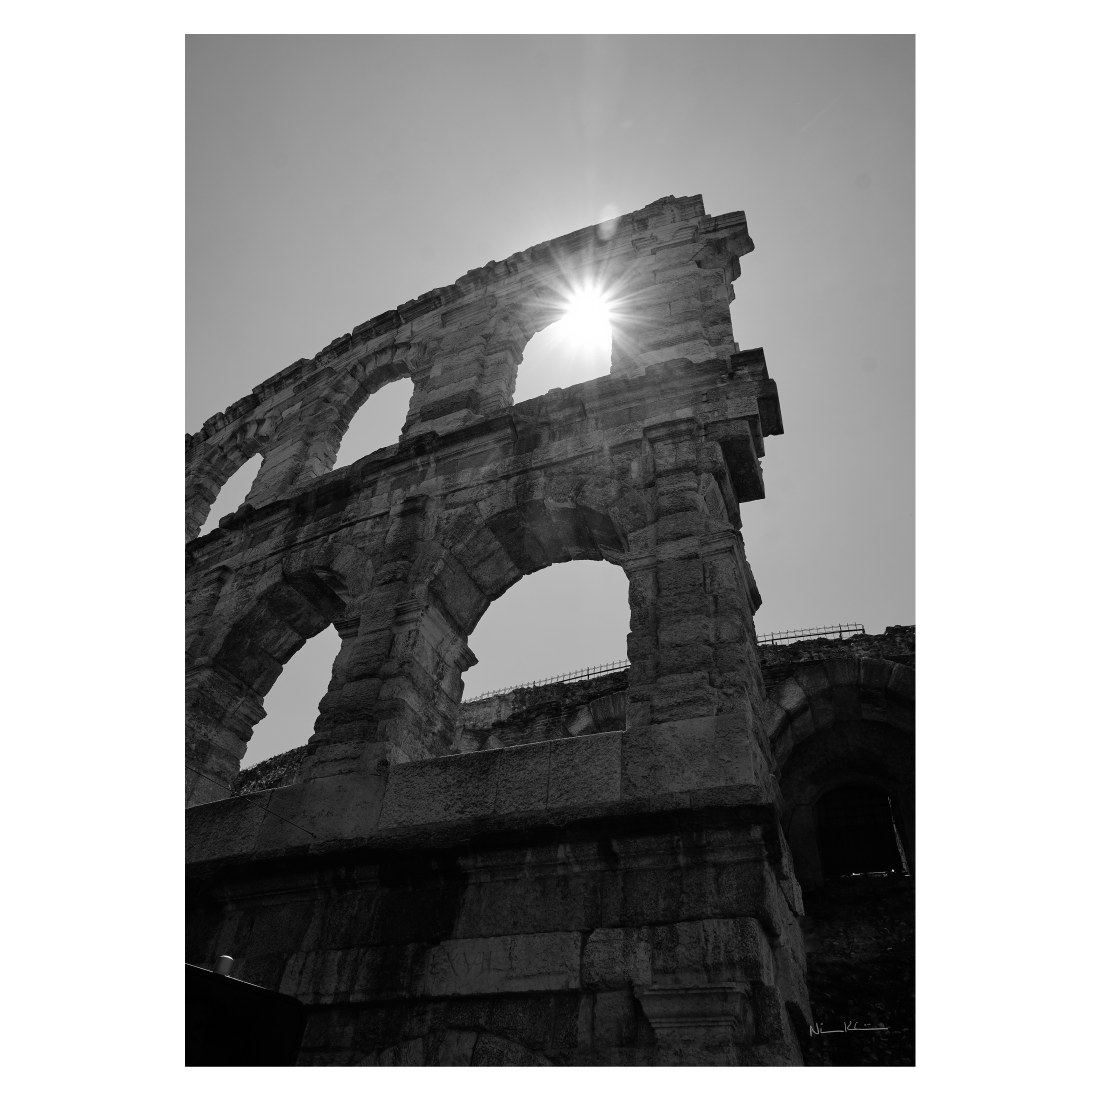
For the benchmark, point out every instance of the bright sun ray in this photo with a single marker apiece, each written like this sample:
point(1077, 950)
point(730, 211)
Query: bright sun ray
point(587, 320)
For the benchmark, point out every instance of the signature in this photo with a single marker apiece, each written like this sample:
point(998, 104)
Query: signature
point(816, 1029)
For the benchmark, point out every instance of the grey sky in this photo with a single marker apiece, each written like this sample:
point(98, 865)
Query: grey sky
point(330, 179)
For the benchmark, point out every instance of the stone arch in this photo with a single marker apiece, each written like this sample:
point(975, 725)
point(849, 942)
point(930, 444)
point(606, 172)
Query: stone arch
point(527, 526)
point(621, 277)
point(478, 554)
point(348, 394)
point(397, 684)
point(210, 467)
point(470, 354)
point(836, 722)
point(244, 645)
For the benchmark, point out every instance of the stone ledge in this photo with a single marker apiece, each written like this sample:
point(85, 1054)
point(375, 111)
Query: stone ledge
point(575, 774)
point(717, 808)
point(661, 384)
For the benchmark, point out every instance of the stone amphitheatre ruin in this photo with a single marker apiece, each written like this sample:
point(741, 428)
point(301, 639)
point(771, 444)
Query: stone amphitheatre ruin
point(608, 873)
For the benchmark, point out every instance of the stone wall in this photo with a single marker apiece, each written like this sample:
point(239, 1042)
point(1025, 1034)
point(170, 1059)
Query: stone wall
point(670, 267)
point(660, 931)
point(404, 550)
point(276, 771)
point(613, 885)
point(897, 644)
point(526, 715)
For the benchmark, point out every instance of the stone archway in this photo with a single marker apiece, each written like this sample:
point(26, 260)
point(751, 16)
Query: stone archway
point(397, 683)
point(230, 674)
point(208, 470)
point(835, 722)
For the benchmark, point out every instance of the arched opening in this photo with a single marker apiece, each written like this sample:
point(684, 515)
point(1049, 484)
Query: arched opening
point(292, 702)
point(565, 618)
point(857, 833)
point(227, 688)
point(575, 349)
point(377, 424)
point(552, 652)
point(232, 494)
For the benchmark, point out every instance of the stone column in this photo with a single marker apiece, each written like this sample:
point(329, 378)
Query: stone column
point(467, 371)
point(395, 690)
point(201, 487)
point(220, 714)
point(676, 306)
point(697, 687)
point(641, 642)
point(396, 684)
point(684, 611)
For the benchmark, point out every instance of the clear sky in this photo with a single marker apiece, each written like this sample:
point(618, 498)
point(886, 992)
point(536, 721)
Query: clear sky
point(330, 179)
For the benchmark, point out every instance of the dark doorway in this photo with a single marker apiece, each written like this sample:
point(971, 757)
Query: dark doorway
point(856, 832)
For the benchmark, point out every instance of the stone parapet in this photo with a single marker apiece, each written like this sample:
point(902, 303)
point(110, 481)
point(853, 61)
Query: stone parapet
point(492, 788)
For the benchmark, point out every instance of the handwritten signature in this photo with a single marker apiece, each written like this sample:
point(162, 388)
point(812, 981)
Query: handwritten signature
point(816, 1029)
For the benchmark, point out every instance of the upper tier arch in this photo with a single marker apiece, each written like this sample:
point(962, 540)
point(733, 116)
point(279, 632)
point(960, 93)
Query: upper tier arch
point(669, 267)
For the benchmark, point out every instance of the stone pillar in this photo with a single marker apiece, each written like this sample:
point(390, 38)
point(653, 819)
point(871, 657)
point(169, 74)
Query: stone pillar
point(395, 692)
point(220, 714)
point(467, 371)
point(684, 611)
point(641, 642)
point(696, 686)
point(202, 488)
point(676, 305)
point(802, 837)
point(397, 682)
point(736, 674)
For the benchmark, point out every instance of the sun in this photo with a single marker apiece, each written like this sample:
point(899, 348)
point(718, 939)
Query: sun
point(587, 320)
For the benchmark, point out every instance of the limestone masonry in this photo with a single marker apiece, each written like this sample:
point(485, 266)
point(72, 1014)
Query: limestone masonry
point(604, 872)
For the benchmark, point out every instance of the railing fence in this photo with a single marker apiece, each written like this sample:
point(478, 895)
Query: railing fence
point(844, 629)
point(565, 678)
point(841, 631)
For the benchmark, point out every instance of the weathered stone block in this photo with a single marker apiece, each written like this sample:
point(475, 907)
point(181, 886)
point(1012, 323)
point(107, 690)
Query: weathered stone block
point(614, 957)
point(452, 788)
point(228, 827)
point(711, 952)
point(875, 674)
point(502, 964)
point(687, 755)
point(903, 683)
point(613, 1018)
point(334, 806)
point(584, 770)
point(523, 778)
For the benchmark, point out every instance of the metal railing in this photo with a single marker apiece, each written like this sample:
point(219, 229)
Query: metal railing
point(844, 630)
point(841, 631)
point(589, 673)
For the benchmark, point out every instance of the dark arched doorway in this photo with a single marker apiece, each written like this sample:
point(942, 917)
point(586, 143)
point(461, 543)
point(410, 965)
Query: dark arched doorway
point(856, 832)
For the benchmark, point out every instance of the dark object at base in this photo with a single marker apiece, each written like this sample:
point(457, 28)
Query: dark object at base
point(233, 1023)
